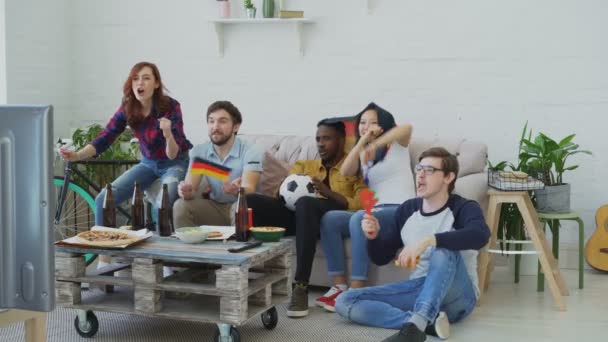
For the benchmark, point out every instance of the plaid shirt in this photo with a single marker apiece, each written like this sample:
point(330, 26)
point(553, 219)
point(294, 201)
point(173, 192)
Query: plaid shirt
point(151, 140)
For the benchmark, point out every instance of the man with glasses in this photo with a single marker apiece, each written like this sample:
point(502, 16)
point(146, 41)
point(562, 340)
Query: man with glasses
point(440, 234)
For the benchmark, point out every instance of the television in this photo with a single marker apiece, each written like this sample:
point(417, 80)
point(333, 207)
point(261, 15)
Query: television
point(26, 206)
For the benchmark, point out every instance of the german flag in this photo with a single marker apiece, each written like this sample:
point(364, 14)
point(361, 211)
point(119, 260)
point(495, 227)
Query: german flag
point(204, 167)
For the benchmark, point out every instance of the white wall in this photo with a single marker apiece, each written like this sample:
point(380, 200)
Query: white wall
point(38, 55)
point(2, 53)
point(472, 68)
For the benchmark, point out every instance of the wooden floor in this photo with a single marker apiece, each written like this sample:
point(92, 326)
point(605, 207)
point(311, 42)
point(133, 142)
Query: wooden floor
point(511, 312)
point(516, 312)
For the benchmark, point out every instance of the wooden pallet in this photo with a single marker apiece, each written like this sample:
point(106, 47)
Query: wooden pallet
point(226, 288)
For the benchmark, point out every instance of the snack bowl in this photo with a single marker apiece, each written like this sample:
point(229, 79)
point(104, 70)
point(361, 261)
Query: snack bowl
point(192, 234)
point(267, 234)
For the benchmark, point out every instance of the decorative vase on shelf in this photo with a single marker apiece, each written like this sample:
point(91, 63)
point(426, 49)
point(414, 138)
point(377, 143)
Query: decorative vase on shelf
point(268, 8)
point(250, 12)
point(224, 6)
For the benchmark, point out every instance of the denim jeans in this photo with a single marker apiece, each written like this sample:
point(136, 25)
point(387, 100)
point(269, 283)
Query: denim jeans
point(447, 287)
point(304, 222)
point(171, 172)
point(338, 225)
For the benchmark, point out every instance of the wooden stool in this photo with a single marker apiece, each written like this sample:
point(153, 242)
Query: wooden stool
point(532, 225)
point(35, 323)
point(572, 216)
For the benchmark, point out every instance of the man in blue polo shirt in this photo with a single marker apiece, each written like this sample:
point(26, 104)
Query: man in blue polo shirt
point(226, 149)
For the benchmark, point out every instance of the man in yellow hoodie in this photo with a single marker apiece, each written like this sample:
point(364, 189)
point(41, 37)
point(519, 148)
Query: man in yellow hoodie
point(335, 192)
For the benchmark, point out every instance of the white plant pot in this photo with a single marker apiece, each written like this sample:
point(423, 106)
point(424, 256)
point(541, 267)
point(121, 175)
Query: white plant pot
point(528, 264)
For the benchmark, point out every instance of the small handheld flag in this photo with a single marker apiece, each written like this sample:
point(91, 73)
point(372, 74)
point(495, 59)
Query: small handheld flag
point(368, 200)
point(205, 167)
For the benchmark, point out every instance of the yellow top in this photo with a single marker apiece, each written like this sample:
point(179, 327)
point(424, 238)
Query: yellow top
point(347, 186)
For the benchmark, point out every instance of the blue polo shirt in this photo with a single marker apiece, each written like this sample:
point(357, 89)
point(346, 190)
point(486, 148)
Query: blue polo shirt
point(243, 156)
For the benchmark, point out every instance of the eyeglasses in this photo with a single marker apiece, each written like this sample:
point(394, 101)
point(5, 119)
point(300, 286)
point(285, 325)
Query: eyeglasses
point(428, 169)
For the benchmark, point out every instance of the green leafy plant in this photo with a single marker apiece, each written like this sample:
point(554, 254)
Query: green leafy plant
point(544, 158)
point(248, 4)
point(121, 149)
point(549, 157)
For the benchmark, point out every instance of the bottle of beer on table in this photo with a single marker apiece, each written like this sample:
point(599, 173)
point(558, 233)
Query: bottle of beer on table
point(109, 208)
point(165, 215)
point(137, 208)
point(241, 219)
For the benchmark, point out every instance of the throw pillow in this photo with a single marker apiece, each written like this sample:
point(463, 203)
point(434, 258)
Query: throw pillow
point(273, 173)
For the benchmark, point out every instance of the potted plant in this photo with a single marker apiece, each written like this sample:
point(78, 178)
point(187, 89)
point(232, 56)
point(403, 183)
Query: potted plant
point(224, 6)
point(249, 8)
point(268, 8)
point(547, 159)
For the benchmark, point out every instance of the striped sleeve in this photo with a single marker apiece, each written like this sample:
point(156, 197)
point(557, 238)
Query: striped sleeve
point(253, 160)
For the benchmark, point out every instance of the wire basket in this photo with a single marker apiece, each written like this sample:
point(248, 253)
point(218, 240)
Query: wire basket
point(513, 181)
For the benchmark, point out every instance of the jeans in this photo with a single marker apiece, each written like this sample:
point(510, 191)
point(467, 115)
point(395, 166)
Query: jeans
point(171, 172)
point(338, 225)
point(446, 287)
point(305, 223)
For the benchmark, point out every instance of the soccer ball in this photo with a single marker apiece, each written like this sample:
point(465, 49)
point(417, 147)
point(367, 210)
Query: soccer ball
point(293, 188)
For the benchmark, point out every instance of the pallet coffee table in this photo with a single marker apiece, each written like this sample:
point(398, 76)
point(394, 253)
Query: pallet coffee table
point(212, 286)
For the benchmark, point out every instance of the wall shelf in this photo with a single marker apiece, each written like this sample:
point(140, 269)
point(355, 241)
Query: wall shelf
point(219, 24)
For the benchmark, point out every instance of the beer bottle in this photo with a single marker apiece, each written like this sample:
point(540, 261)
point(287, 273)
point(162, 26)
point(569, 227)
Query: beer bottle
point(109, 208)
point(137, 208)
point(165, 226)
point(241, 223)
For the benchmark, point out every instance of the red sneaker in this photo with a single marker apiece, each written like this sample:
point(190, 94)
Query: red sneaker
point(328, 300)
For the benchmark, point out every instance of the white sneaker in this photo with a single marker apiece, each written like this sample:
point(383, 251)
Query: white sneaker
point(440, 328)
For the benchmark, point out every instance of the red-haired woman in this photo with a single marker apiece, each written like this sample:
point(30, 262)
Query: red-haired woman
point(156, 121)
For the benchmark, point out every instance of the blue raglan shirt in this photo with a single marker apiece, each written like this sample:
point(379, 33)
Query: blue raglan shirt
point(458, 226)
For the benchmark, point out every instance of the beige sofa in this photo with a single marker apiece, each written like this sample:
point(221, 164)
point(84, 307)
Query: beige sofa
point(283, 151)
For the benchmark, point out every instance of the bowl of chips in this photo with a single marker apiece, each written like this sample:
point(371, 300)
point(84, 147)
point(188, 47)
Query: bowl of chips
point(192, 234)
point(267, 234)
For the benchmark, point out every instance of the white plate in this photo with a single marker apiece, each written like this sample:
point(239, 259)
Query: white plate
point(226, 231)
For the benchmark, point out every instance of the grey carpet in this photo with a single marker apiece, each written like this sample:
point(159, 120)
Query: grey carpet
point(318, 326)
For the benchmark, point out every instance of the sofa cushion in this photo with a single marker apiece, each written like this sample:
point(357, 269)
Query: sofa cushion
point(272, 175)
point(471, 155)
point(286, 148)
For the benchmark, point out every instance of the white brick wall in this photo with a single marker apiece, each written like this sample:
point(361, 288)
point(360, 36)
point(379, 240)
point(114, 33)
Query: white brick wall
point(38, 55)
point(473, 68)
